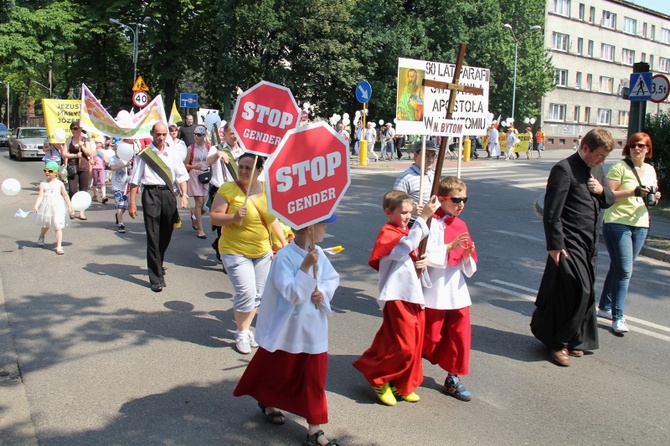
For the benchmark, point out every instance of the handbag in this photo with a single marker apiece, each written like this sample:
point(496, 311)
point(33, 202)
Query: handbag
point(71, 170)
point(206, 176)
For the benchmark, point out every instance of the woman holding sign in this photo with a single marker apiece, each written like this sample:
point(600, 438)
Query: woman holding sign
point(241, 209)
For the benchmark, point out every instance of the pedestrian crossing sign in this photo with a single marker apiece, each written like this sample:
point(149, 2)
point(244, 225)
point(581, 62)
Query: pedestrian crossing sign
point(141, 86)
point(640, 87)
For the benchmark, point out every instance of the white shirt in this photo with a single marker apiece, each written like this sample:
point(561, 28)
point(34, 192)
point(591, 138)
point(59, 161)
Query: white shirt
point(448, 290)
point(397, 275)
point(220, 174)
point(144, 175)
point(287, 318)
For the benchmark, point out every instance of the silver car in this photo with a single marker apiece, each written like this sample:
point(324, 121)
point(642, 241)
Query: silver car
point(27, 142)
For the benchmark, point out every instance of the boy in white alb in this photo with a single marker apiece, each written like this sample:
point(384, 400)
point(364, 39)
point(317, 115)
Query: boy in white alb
point(450, 255)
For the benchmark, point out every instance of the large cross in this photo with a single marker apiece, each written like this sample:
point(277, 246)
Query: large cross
point(454, 87)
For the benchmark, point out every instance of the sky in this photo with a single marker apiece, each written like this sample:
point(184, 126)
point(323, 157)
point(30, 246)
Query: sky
point(657, 5)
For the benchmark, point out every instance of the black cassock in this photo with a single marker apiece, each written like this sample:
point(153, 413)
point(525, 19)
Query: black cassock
point(565, 311)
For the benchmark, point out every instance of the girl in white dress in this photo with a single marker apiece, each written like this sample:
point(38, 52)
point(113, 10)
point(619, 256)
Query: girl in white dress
point(52, 206)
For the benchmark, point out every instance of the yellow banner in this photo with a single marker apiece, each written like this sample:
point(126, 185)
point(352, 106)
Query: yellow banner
point(59, 114)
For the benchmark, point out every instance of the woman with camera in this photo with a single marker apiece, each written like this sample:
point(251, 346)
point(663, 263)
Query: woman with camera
point(626, 223)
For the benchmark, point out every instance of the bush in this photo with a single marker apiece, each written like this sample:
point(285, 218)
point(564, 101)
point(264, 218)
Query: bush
point(658, 128)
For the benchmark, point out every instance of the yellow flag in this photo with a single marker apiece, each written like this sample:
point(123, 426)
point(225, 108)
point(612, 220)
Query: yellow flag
point(175, 117)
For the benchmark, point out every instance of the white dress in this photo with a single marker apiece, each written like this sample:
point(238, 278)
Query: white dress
point(52, 211)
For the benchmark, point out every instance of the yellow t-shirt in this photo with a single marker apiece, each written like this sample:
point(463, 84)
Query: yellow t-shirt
point(249, 237)
point(629, 211)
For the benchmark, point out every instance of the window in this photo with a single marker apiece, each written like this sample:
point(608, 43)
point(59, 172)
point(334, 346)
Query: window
point(589, 49)
point(587, 115)
point(589, 82)
point(623, 118)
point(578, 80)
point(606, 84)
point(608, 20)
point(560, 41)
point(653, 32)
point(651, 62)
point(627, 56)
point(607, 52)
point(644, 30)
point(604, 116)
point(577, 112)
point(592, 15)
point(561, 77)
point(643, 57)
point(629, 25)
point(664, 64)
point(665, 35)
point(580, 46)
point(562, 7)
point(581, 11)
point(557, 112)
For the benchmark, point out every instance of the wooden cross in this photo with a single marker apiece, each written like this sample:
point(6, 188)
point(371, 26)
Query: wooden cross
point(454, 87)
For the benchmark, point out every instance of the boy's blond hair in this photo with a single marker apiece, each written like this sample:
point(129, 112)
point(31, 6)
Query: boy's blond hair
point(449, 185)
point(394, 198)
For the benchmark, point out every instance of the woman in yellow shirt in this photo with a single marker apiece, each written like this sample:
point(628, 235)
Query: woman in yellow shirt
point(245, 245)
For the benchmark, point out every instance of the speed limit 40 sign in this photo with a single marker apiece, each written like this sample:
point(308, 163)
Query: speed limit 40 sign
point(659, 88)
point(140, 99)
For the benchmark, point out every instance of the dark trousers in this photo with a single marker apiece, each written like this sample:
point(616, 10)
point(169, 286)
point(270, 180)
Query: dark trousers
point(159, 208)
point(79, 182)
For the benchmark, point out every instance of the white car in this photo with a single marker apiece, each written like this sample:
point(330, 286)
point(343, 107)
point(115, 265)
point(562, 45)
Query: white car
point(27, 142)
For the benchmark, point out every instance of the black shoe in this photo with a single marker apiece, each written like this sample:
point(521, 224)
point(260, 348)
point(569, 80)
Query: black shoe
point(156, 287)
point(163, 284)
point(104, 200)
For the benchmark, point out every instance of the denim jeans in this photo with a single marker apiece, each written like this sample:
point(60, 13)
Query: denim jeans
point(624, 243)
point(248, 277)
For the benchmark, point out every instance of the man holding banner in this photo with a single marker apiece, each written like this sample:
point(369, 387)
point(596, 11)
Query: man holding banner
point(157, 169)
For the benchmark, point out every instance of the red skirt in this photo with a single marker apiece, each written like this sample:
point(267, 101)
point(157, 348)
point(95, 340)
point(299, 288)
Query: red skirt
point(395, 353)
point(292, 382)
point(447, 339)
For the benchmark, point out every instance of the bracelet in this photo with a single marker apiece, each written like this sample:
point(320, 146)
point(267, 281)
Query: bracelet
point(184, 195)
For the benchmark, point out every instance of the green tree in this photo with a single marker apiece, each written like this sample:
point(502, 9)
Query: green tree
point(658, 128)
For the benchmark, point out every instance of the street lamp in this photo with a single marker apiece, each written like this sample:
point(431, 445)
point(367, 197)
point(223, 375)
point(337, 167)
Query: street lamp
point(7, 84)
point(134, 31)
point(516, 52)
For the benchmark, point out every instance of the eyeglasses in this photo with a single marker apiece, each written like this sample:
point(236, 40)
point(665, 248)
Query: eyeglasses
point(198, 134)
point(50, 171)
point(638, 144)
point(75, 128)
point(456, 200)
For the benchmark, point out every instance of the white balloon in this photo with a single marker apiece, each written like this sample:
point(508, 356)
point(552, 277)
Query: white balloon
point(125, 151)
point(532, 120)
point(358, 113)
point(526, 120)
point(81, 201)
point(211, 119)
point(381, 122)
point(181, 150)
point(305, 106)
point(346, 121)
point(11, 186)
point(122, 116)
point(59, 136)
point(345, 116)
point(107, 155)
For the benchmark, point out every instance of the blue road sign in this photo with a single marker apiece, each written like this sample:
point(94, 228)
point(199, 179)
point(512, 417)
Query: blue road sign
point(363, 92)
point(640, 87)
point(188, 100)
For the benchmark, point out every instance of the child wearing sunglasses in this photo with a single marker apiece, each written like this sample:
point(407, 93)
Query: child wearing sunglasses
point(52, 206)
point(450, 255)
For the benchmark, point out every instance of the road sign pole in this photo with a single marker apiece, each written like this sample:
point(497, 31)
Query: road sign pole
point(363, 143)
point(637, 108)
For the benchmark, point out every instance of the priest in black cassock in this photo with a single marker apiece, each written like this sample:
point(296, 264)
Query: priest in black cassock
point(564, 318)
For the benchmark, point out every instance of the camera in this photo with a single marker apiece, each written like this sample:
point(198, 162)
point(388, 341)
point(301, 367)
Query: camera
point(650, 199)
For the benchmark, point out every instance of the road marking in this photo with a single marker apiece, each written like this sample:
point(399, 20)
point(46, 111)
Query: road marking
point(532, 297)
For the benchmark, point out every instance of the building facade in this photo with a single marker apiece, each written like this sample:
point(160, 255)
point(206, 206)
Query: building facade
point(593, 45)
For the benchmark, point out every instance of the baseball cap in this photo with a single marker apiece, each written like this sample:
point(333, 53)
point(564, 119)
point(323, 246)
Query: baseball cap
point(330, 219)
point(200, 130)
point(430, 145)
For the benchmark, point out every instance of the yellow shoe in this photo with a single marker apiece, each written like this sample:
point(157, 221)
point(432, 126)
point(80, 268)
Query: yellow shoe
point(385, 394)
point(411, 398)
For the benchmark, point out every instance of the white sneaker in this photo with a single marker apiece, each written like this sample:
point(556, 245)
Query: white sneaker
point(607, 314)
point(252, 340)
point(40, 241)
point(620, 326)
point(242, 344)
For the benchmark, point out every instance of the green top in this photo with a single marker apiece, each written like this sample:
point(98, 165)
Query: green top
point(629, 211)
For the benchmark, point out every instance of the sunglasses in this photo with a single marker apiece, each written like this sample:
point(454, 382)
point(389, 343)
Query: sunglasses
point(75, 128)
point(639, 144)
point(456, 200)
point(50, 171)
point(198, 134)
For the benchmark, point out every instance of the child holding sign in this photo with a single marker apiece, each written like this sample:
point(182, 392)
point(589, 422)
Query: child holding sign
point(289, 369)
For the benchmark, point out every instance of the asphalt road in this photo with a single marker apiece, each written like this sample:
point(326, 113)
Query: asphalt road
point(96, 358)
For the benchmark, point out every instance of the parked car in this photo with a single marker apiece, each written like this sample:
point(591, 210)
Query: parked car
point(27, 142)
point(4, 135)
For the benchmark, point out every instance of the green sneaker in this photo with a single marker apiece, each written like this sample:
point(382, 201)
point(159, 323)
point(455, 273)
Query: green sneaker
point(411, 398)
point(385, 394)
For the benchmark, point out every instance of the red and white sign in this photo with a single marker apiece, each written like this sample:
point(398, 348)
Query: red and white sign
point(660, 87)
point(262, 116)
point(308, 175)
point(140, 98)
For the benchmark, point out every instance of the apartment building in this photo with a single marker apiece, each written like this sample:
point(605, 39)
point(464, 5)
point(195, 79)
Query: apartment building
point(593, 45)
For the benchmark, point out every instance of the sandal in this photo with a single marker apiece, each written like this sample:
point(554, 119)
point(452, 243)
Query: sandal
point(275, 417)
point(59, 251)
point(312, 440)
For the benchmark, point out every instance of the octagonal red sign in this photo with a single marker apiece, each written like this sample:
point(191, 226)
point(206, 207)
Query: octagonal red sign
point(308, 175)
point(262, 116)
